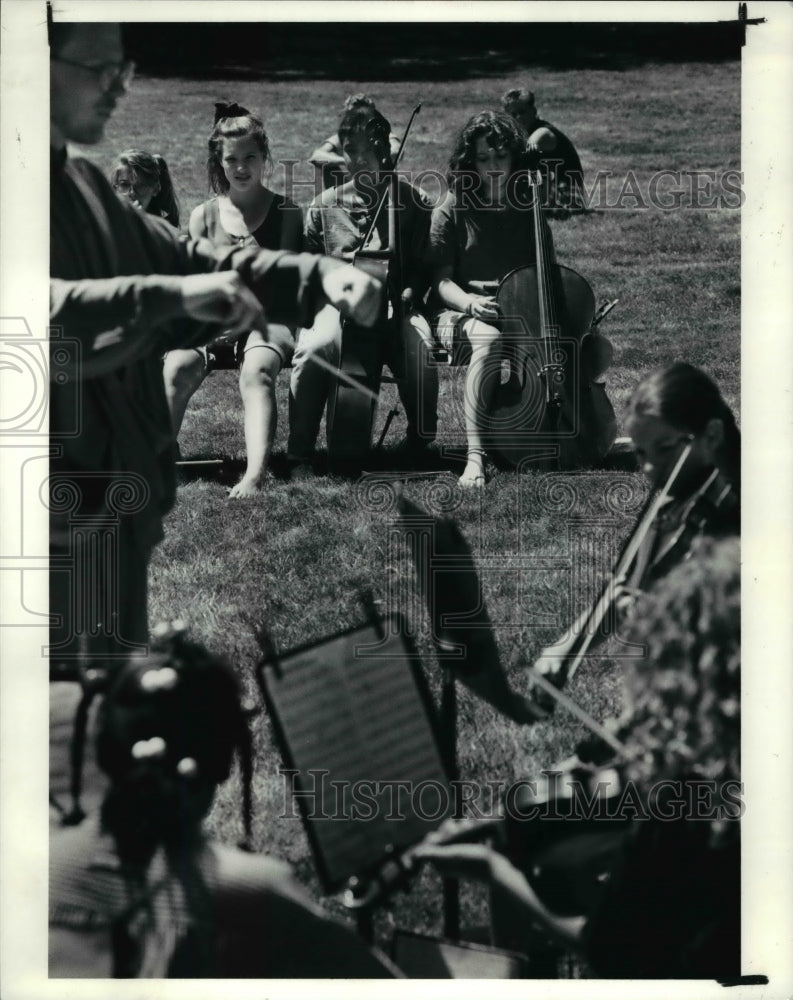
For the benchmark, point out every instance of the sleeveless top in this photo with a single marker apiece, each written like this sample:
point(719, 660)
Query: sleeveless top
point(268, 235)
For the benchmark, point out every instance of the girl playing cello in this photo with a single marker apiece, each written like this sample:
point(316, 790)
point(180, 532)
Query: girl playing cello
point(480, 232)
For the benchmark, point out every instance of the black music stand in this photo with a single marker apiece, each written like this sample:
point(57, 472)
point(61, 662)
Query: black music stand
point(353, 717)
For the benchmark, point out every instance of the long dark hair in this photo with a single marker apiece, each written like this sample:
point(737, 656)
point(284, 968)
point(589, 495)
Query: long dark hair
point(168, 730)
point(232, 121)
point(687, 399)
point(365, 119)
point(152, 168)
point(500, 130)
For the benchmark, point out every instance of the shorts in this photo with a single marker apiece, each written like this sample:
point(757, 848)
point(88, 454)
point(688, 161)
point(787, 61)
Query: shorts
point(277, 337)
point(449, 333)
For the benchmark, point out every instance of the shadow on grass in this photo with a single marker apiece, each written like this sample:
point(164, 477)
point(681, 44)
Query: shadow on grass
point(395, 462)
point(228, 471)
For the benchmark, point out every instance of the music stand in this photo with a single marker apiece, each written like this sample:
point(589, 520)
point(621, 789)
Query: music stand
point(356, 727)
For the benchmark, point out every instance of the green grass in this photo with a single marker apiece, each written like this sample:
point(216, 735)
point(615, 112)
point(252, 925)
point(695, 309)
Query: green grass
point(297, 556)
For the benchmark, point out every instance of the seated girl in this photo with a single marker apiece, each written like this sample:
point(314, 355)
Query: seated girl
point(145, 180)
point(480, 232)
point(243, 212)
point(328, 156)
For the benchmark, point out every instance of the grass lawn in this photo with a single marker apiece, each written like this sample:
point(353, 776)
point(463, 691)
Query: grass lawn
point(297, 556)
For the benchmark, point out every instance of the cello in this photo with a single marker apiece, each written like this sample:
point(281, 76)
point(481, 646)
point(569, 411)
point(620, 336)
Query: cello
point(550, 412)
point(352, 403)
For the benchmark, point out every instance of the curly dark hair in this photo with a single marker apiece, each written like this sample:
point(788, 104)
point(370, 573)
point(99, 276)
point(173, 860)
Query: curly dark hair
point(685, 716)
point(237, 125)
point(501, 131)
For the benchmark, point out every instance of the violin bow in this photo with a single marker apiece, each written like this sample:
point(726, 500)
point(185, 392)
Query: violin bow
point(397, 158)
point(599, 612)
point(575, 709)
point(343, 377)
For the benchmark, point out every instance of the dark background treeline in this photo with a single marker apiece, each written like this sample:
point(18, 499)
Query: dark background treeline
point(402, 50)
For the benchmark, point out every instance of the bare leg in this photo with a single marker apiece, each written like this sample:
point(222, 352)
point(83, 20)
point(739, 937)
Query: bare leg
point(310, 384)
point(258, 374)
point(484, 372)
point(183, 371)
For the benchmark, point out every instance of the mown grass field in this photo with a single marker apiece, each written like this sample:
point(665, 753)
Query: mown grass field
point(297, 556)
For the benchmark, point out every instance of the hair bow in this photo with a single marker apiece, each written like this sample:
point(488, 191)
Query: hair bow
point(232, 110)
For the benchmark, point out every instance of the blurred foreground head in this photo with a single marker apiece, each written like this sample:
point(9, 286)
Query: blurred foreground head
point(88, 74)
point(684, 695)
point(167, 735)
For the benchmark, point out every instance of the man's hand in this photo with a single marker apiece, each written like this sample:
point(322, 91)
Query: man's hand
point(353, 292)
point(222, 298)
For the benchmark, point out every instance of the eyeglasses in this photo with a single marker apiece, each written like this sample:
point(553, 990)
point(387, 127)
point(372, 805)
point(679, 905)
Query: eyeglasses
point(108, 74)
point(661, 451)
point(124, 187)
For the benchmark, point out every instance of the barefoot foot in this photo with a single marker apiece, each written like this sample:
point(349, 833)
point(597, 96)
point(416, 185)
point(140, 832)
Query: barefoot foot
point(474, 472)
point(248, 486)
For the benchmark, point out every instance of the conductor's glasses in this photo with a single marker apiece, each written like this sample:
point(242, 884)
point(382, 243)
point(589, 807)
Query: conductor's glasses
point(108, 74)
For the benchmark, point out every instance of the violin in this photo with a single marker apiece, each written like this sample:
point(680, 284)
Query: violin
point(352, 403)
point(647, 556)
point(550, 411)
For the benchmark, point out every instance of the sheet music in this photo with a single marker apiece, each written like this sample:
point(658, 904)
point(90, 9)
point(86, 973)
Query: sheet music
point(351, 707)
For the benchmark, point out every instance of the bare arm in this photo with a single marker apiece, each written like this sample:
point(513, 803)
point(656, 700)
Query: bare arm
point(512, 898)
point(196, 227)
point(542, 140)
point(326, 152)
point(479, 306)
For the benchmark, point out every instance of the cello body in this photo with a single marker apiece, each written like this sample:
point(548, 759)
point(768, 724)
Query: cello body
point(549, 411)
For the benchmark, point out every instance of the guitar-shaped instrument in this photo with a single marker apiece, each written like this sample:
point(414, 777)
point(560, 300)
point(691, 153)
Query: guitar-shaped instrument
point(550, 412)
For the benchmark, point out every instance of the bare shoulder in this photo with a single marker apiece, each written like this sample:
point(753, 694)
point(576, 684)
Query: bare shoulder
point(197, 223)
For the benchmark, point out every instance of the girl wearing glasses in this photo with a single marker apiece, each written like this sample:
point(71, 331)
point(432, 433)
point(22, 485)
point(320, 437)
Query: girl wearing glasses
point(671, 410)
point(243, 212)
point(144, 178)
